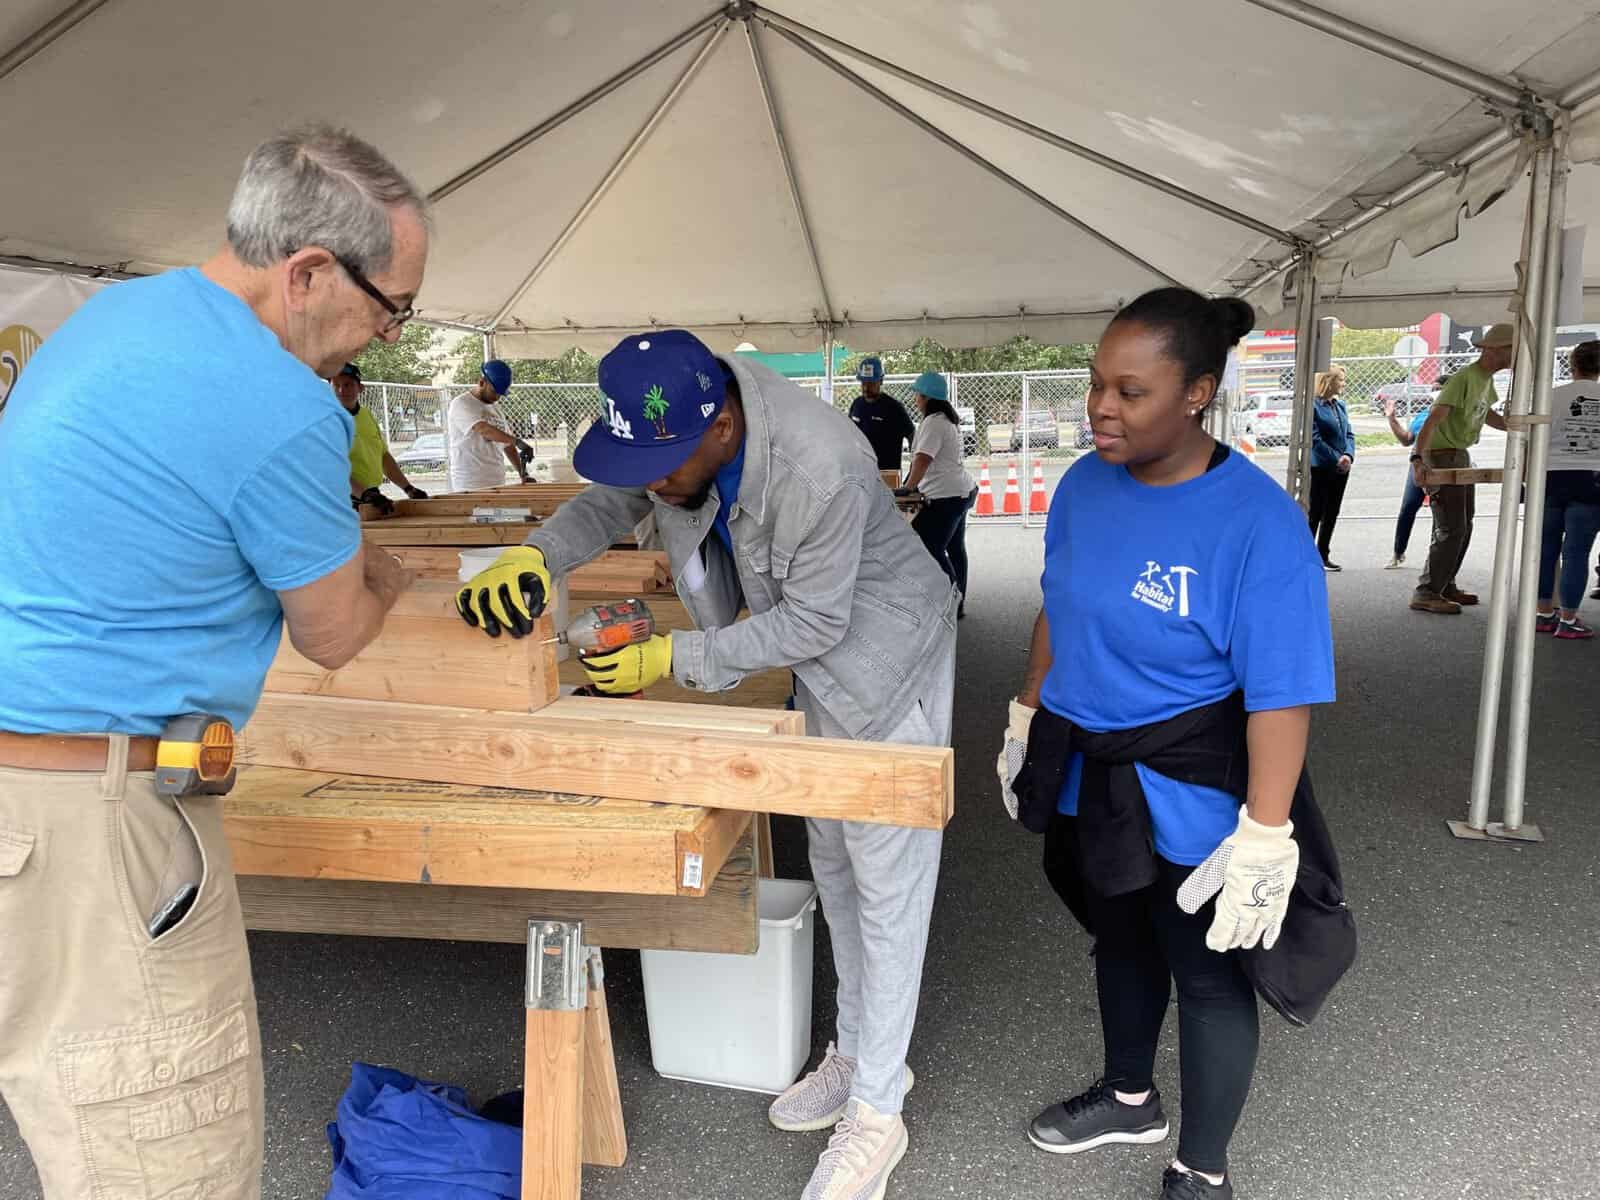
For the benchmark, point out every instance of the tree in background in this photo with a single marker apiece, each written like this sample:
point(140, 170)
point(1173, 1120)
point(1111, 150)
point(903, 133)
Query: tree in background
point(1365, 343)
point(1021, 353)
point(412, 359)
point(573, 366)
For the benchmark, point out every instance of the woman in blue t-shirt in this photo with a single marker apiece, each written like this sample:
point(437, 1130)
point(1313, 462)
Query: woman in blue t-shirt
point(1177, 577)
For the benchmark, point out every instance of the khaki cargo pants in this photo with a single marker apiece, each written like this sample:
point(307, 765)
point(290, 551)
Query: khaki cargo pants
point(132, 1065)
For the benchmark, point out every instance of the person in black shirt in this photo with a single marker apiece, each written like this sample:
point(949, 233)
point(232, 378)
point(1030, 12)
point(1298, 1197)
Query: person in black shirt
point(882, 418)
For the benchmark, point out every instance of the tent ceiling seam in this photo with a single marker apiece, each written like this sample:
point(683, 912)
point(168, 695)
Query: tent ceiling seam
point(550, 124)
point(42, 38)
point(771, 102)
point(617, 168)
point(1037, 132)
point(966, 151)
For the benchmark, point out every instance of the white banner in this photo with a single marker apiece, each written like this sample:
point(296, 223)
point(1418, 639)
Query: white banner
point(32, 305)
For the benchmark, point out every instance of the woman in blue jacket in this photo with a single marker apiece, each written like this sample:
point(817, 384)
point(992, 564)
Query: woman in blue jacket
point(1333, 450)
point(1182, 599)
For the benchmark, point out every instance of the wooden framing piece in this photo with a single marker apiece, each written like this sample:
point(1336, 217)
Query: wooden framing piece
point(605, 1137)
point(306, 825)
point(553, 1093)
point(724, 921)
point(615, 756)
point(427, 654)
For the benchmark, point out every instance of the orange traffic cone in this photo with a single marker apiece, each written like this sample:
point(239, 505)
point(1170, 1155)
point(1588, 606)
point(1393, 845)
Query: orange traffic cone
point(985, 494)
point(1038, 502)
point(1011, 504)
point(1247, 446)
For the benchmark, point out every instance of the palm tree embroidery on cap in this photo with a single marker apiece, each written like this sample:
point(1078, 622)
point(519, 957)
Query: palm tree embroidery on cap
point(655, 411)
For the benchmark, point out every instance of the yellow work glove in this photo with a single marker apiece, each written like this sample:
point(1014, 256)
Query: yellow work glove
point(509, 595)
point(631, 669)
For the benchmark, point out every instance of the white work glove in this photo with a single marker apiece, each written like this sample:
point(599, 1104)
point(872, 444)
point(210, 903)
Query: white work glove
point(1254, 869)
point(1013, 752)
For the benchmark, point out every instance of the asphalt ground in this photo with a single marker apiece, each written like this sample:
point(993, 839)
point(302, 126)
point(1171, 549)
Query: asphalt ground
point(1461, 1058)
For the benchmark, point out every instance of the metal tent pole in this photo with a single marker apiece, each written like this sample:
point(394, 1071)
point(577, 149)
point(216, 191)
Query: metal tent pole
point(1305, 328)
point(1336, 25)
point(1532, 525)
point(827, 365)
point(1494, 650)
point(47, 34)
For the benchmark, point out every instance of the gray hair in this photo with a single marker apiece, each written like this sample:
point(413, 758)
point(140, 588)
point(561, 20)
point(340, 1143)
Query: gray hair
point(318, 186)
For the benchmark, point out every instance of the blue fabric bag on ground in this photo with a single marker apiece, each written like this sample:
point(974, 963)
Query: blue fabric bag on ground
point(400, 1138)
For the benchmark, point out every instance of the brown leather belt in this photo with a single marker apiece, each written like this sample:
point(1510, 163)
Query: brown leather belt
point(71, 752)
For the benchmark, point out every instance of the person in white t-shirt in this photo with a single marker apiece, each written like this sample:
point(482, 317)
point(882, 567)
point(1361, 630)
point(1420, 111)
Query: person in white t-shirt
point(481, 443)
point(1571, 496)
point(938, 472)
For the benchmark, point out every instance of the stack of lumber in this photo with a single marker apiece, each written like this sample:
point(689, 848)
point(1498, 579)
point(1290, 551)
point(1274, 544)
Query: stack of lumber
point(432, 699)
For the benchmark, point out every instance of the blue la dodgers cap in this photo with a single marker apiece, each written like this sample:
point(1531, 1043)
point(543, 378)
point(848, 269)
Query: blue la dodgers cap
point(660, 391)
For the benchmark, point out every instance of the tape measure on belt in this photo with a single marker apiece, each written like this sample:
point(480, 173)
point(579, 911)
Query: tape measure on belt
point(195, 756)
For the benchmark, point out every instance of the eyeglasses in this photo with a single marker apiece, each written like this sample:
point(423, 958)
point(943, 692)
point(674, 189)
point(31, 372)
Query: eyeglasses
point(397, 316)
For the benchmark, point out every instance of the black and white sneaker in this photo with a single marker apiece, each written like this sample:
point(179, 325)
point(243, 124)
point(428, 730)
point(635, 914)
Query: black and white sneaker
point(1098, 1118)
point(1184, 1185)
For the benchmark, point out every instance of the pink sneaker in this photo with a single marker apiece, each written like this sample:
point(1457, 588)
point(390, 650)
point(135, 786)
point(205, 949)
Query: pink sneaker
point(1573, 631)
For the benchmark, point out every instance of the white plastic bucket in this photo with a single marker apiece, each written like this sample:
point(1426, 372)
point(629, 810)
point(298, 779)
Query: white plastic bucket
point(481, 558)
point(735, 1020)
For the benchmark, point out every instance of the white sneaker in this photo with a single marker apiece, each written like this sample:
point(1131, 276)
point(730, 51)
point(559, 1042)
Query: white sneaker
point(819, 1100)
point(862, 1153)
point(1398, 561)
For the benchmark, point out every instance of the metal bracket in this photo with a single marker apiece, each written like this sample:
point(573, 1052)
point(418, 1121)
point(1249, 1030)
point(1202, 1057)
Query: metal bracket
point(558, 966)
point(1495, 831)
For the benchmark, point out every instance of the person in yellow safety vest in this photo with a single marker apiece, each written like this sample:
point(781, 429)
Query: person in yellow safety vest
point(370, 460)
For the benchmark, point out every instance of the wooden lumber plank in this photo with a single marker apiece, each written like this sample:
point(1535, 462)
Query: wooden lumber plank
point(803, 776)
point(1446, 476)
point(768, 690)
point(426, 654)
point(722, 718)
point(703, 850)
point(304, 825)
point(430, 562)
point(724, 921)
point(605, 1137)
point(428, 531)
point(891, 479)
point(552, 1112)
point(764, 863)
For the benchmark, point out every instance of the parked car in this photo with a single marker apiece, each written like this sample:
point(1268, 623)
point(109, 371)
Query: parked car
point(1042, 430)
point(427, 453)
point(1409, 398)
point(969, 430)
point(1267, 417)
point(1084, 440)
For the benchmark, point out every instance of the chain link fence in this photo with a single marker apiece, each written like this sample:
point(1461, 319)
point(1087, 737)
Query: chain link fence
point(1010, 420)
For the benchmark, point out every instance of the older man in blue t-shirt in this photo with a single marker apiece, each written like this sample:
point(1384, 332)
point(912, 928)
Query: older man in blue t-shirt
point(131, 1059)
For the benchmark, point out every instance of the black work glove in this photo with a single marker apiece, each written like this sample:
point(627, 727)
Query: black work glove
point(416, 493)
point(378, 500)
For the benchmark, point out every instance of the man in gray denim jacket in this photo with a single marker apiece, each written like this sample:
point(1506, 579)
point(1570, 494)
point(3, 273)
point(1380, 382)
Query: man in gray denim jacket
point(768, 499)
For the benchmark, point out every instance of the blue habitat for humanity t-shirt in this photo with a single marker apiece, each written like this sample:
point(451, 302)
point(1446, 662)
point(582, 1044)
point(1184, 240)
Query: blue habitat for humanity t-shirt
point(167, 468)
point(1164, 599)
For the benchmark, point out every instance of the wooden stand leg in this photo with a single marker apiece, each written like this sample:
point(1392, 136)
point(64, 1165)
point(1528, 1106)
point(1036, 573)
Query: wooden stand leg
point(764, 867)
point(552, 1119)
point(605, 1139)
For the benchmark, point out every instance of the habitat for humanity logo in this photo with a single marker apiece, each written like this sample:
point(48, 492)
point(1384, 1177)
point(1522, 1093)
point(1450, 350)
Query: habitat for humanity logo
point(1162, 587)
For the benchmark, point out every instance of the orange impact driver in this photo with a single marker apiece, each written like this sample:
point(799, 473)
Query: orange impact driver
point(607, 627)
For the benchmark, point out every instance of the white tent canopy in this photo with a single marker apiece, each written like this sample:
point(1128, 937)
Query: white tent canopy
point(907, 168)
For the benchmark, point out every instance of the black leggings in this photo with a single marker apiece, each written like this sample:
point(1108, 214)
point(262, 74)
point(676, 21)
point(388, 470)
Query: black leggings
point(942, 526)
point(1143, 942)
point(1327, 497)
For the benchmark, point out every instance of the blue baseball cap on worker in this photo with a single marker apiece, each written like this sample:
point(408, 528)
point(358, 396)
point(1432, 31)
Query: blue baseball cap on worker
point(870, 370)
point(660, 391)
point(932, 385)
point(498, 375)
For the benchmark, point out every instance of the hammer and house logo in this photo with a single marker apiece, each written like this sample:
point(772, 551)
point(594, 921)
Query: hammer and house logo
point(1162, 588)
point(17, 344)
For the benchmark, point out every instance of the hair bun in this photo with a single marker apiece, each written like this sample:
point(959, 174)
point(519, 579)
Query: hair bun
point(1236, 317)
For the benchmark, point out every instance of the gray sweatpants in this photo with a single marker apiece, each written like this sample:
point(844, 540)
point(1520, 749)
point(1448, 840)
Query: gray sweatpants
point(876, 883)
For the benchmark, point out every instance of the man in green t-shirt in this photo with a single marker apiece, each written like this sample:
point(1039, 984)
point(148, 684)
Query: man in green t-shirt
point(370, 460)
point(1451, 430)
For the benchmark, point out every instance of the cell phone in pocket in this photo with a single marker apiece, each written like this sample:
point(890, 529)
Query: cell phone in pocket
point(174, 910)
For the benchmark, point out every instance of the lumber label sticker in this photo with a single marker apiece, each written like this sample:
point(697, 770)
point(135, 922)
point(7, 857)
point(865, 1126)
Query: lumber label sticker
point(693, 869)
